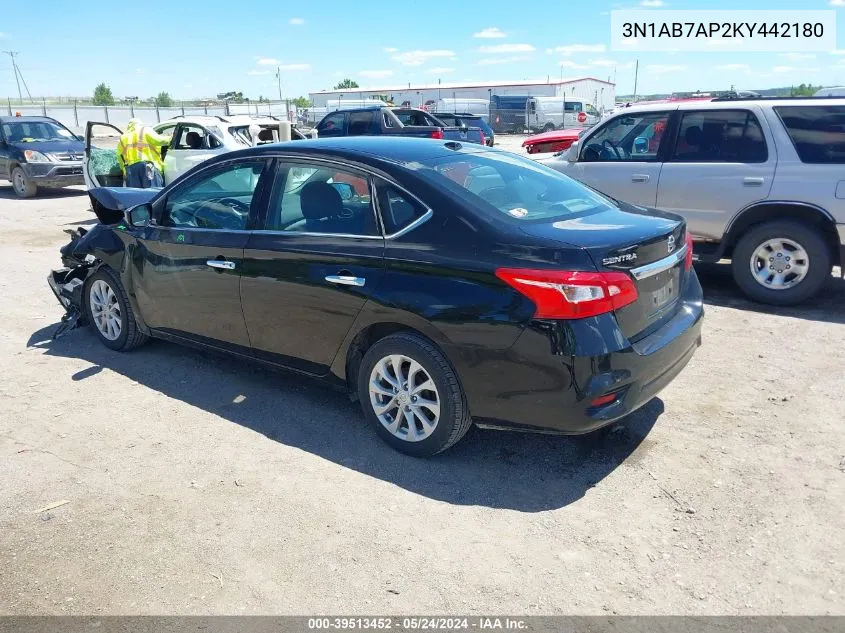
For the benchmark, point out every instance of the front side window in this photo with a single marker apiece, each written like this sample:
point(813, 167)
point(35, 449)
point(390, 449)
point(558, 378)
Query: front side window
point(721, 136)
point(220, 198)
point(817, 132)
point(631, 137)
point(507, 184)
point(321, 199)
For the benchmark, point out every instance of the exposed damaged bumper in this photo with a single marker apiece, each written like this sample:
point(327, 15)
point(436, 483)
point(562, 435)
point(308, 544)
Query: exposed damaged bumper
point(67, 284)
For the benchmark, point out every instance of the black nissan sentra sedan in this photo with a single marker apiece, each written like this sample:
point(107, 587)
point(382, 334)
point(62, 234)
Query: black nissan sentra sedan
point(441, 283)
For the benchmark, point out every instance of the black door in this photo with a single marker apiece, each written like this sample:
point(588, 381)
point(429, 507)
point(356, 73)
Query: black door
point(4, 156)
point(190, 263)
point(309, 271)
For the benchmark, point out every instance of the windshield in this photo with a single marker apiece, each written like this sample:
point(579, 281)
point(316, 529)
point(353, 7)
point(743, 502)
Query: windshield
point(32, 131)
point(514, 186)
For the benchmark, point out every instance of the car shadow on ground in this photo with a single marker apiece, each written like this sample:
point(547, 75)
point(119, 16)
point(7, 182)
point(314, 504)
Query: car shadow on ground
point(524, 472)
point(7, 193)
point(720, 290)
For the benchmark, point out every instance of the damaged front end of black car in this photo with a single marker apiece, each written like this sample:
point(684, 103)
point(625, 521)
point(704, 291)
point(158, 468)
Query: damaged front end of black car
point(90, 249)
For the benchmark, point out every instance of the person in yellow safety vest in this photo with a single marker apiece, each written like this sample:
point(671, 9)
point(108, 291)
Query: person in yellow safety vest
point(139, 155)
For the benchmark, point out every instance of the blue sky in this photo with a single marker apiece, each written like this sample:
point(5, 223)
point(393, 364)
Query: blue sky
point(193, 49)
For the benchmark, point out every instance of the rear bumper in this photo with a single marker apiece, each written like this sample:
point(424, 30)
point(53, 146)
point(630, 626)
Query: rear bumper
point(62, 174)
point(548, 378)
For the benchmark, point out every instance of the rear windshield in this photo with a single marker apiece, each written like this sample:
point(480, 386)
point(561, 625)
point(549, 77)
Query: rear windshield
point(517, 187)
point(817, 132)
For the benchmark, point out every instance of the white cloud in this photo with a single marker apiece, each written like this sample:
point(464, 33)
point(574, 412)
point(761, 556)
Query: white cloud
point(295, 67)
point(605, 63)
point(837, 3)
point(507, 48)
point(838, 51)
point(651, 4)
point(659, 69)
point(793, 69)
point(296, 21)
point(267, 61)
point(571, 49)
point(797, 57)
point(390, 49)
point(2, 35)
point(730, 67)
point(491, 61)
point(418, 58)
point(490, 33)
point(258, 72)
point(570, 64)
point(375, 74)
point(440, 70)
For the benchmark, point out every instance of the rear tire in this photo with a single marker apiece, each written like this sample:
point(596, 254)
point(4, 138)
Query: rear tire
point(549, 127)
point(410, 382)
point(23, 186)
point(109, 313)
point(771, 244)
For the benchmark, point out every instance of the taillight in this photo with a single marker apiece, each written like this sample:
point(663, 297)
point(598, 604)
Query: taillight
point(483, 140)
point(563, 294)
point(688, 258)
point(438, 133)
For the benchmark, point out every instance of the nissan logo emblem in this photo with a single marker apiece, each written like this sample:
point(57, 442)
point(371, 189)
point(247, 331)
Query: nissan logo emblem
point(671, 243)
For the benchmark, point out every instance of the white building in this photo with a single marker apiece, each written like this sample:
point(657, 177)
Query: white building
point(601, 94)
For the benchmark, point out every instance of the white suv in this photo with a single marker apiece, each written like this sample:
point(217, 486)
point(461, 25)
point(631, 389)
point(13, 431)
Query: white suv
point(194, 139)
point(759, 181)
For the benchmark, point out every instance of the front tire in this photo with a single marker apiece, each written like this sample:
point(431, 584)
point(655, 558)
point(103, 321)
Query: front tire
point(411, 395)
point(109, 313)
point(22, 184)
point(781, 263)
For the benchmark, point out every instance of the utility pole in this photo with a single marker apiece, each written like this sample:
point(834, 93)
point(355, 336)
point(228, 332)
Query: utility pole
point(15, 70)
point(636, 76)
point(279, 80)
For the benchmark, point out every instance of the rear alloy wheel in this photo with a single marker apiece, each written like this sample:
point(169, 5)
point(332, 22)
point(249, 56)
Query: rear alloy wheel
point(23, 186)
point(411, 395)
point(781, 263)
point(549, 127)
point(109, 312)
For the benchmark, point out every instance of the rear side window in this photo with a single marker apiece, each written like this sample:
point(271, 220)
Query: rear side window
point(720, 136)
point(331, 125)
point(817, 132)
point(398, 209)
point(361, 122)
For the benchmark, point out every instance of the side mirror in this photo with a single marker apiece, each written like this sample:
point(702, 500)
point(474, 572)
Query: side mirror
point(571, 154)
point(138, 216)
point(640, 145)
point(346, 191)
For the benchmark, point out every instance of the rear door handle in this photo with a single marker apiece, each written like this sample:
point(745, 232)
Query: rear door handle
point(221, 263)
point(753, 182)
point(639, 178)
point(346, 280)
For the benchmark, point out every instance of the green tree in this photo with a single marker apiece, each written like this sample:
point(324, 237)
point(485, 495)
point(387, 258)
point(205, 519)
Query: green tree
point(346, 83)
point(103, 95)
point(301, 102)
point(163, 100)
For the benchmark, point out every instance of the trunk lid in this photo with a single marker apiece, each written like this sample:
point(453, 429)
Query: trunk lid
point(628, 239)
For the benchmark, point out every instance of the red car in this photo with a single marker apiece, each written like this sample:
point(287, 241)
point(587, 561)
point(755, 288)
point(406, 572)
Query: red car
point(553, 141)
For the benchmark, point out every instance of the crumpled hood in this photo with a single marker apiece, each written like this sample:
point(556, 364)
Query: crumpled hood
point(109, 203)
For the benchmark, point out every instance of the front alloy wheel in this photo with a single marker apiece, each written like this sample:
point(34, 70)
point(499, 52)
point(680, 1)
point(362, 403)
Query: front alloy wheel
point(108, 310)
point(105, 310)
point(779, 264)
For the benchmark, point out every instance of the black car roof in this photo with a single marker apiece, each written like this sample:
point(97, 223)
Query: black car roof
point(25, 119)
point(373, 150)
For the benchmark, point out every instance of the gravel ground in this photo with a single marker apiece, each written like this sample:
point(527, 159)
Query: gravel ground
point(199, 484)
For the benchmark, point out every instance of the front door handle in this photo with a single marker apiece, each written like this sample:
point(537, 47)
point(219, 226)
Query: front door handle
point(639, 178)
point(346, 280)
point(221, 263)
point(753, 182)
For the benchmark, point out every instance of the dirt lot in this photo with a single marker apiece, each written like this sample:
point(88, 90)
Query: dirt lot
point(199, 484)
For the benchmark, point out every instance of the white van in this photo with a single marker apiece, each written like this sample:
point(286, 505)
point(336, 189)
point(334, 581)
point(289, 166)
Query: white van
point(543, 114)
point(835, 91)
point(480, 107)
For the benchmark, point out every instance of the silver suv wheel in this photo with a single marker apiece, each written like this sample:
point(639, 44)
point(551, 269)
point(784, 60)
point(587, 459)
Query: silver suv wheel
point(779, 264)
point(105, 310)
